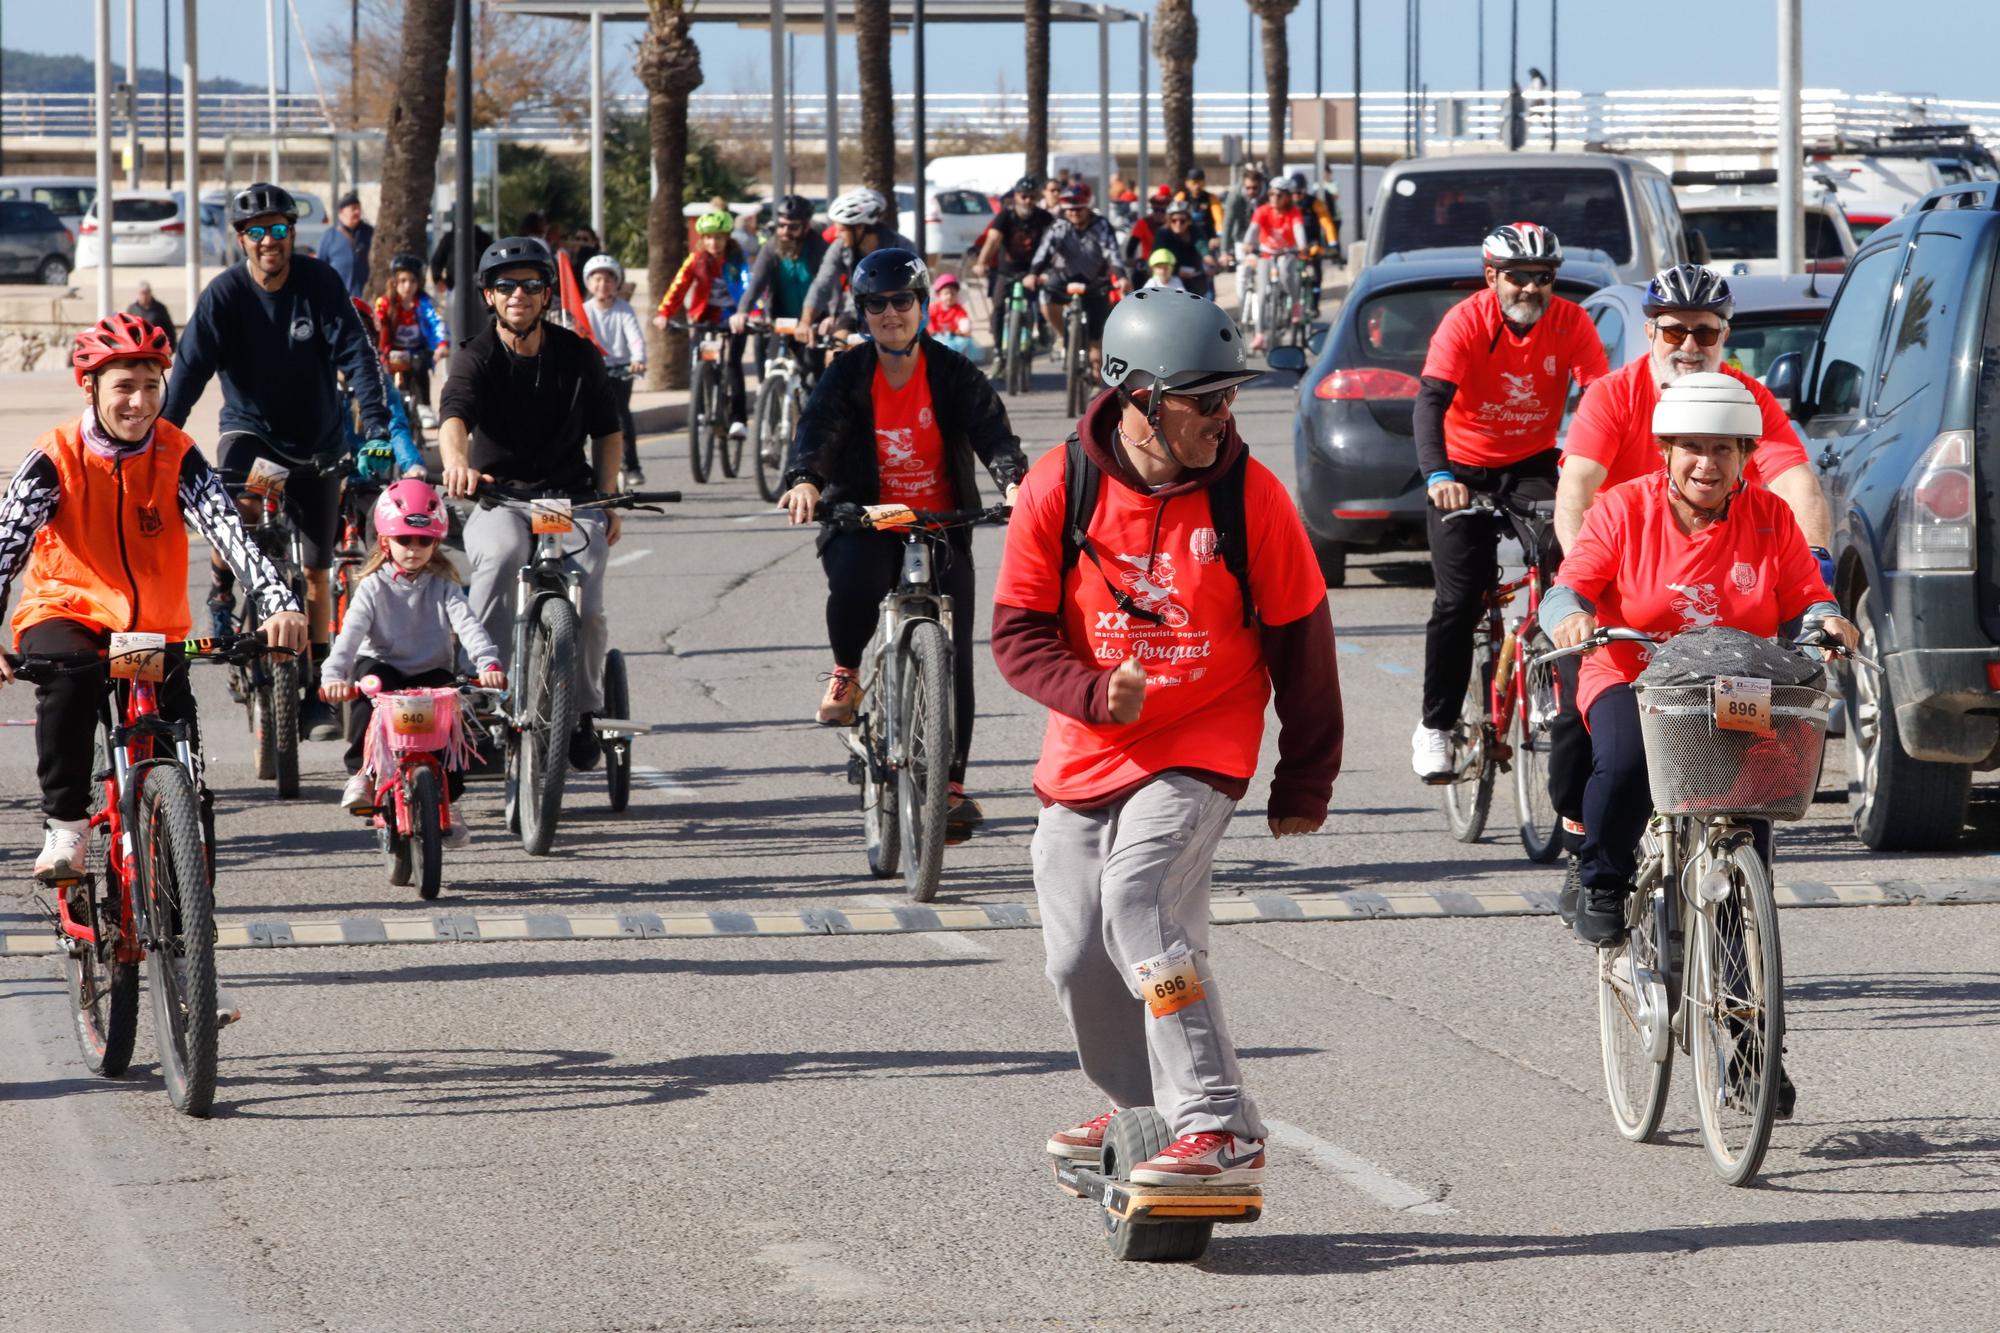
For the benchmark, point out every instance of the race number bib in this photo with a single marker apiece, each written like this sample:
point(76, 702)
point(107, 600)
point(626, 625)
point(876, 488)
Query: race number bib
point(1169, 983)
point(1743, 703)
point(267, 478)
point(550, 515)
point(711, 349)
point(889, 516)
point(413, 714)
point(139, 656)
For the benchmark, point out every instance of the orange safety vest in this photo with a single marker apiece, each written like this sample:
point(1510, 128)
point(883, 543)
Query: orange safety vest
point(115, 553)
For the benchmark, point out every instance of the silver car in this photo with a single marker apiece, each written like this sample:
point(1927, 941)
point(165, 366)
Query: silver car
point(34, 244)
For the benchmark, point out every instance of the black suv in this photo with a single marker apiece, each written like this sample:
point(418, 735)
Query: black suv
point(1900, 402)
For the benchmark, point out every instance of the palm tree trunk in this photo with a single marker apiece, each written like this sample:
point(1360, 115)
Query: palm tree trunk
point(1277, 78)
point(670, 69)
point(1037, 14)
point(1174, 43)
point(878, 106)
point(415, 126)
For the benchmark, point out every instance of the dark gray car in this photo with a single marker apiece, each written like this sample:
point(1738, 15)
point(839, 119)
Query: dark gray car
point(34, 244)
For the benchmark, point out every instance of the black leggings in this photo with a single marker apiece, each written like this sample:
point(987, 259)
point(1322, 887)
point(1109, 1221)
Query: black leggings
point(69, 707)
point(363, 709)
point(621, 399)
point(861, 568)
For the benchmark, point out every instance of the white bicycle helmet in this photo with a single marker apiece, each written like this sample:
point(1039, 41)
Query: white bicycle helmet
point(1708, 404)
point(602, 264)
point(1521, 243)
point(857, 208)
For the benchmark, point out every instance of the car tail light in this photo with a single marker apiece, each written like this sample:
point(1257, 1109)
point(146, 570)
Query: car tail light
point(173, 228)
point(1361, 513)
point(89, 228)
point(1827, 265)
point(1934, 514)
point(1993, 676)
point(1348, 385)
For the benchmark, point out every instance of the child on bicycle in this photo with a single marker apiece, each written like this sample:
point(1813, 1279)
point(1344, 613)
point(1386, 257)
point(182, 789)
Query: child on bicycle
point(96, 516)
point(1163, 265)
point(710, 285)
point(950, 321)
point(615, 326)
point(407, 620)
point(412, 333)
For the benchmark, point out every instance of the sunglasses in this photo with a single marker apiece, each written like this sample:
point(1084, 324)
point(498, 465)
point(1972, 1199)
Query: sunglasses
point(277, 231)
point(508, 286)
point(421, 543)
point(1540, 277)
point(1204, 404)
point(875, 305)
point(1676, 334)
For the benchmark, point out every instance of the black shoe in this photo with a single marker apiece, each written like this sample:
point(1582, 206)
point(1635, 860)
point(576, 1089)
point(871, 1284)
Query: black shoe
point(317, 721)
point(1788, 1096)
point(1600, 919)
point(635, 476)
point(585, 749)
point(1572, 893)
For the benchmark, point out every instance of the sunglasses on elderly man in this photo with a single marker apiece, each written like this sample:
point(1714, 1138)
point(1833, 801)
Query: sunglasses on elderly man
point(1676, 334)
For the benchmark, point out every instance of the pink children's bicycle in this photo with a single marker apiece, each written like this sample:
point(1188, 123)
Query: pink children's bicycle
point(415, 738)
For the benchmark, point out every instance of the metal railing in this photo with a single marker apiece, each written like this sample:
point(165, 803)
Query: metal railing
point(74, 115)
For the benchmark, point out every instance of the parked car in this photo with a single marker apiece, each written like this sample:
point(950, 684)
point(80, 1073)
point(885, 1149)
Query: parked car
point(953, 219)
point(149, 228)
point(66, 196)
point(1353, 442)
point(1622, 207)
point(312, 224)
point(1736, 215)
point(1879, 179)
point(1774, 315)
point(1897, 395)
point(34, 244)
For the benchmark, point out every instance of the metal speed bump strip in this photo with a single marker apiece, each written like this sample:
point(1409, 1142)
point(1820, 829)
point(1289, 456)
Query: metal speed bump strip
point(1349, 905)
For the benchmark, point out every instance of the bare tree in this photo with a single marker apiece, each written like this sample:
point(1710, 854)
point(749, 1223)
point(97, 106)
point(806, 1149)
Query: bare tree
point(1037, 14)
point(517, 64)
point(1271, 15)
point(1174, 43)
point(878, 105)
point(414, 126)
point(670, 68)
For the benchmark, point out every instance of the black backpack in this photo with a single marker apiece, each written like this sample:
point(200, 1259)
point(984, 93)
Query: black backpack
point(1081, 481)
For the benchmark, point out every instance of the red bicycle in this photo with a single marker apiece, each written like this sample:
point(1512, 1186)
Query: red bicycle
point(148, 889)
point(414, 736)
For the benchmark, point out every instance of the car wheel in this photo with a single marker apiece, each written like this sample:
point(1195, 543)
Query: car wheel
point(1898, 803)
point(54, 272)
point(1332, 561)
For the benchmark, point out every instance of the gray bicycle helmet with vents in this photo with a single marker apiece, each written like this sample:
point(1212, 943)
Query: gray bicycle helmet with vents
point(1173, 340)
point(261, 200)
point(1521, 243)
point(516, 252)
point(1688, 287)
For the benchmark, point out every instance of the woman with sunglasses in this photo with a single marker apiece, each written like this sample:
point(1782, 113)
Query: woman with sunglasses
point(1494, 383)
point(900, 419)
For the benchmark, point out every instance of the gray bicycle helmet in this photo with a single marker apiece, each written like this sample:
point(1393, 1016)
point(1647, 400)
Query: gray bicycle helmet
point(1175, 341)
point(1688, 287)
point(516, 252)
point(259, 200)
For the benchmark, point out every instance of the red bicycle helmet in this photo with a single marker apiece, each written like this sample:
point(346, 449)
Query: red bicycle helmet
point(119, 337)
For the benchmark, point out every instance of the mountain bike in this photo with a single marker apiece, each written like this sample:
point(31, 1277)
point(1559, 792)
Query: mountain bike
point(1700, 967)
point(401, 366)
point(1017, 339)
point(147, 893)
point(350, 555)
point(708, 401)
point(1076, 353)
point(1509, 711)
point(415, 734)
point(902, 740)
point(781, 401)
point(542, 708)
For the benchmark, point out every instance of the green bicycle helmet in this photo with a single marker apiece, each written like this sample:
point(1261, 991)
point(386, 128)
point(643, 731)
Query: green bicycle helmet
point(714, 224)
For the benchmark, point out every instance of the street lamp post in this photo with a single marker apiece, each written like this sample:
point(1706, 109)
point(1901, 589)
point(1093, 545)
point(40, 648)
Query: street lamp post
point(1357, 207)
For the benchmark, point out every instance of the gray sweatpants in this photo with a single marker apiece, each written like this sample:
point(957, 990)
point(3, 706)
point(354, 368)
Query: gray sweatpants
point(498, 542)
point(1121, 885)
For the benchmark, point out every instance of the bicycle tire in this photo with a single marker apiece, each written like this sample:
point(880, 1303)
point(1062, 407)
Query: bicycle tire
point(263, 734)
point(698, 441)
point(718, 429)
point(103, 992)
point(1742, 974)
point(180, 917)
point(551, 717)
point(284, 721)
point(617, 753)
point(427, 835)
point(1134, 1135)
point(881, 826)
point(1072, 350)
point(923, 783)
point(395, 850)
point(730, 444)
point(772, 394)
point(1020, 350)
point(1529, 727)
point(1634, 1027)
point(1468, 800)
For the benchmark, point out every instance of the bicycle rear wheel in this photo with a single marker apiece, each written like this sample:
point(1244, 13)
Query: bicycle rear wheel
point(701, 444)
point(728, 442)
point(103, 992)
point(180, 917)
point(427, 831)
point(923, 783)
point(1738, 1013)
point(1020, 348)
point(617, 753)
point(772, 439)
point(1529, 730)
point(1072, 357)
point(551, 717)
point(1469, 795)
point(1634, 1019)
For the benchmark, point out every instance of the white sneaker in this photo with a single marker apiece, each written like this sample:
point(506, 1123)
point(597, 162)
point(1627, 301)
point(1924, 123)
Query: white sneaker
point(738, 430)
point(358, 796)
point(427, 417)
point(1430, 752)
point(458, 834)
point(62, 850)
point(1204, 1159)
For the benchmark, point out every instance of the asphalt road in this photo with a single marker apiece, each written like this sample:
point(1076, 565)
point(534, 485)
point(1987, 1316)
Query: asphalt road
point(845, 1131)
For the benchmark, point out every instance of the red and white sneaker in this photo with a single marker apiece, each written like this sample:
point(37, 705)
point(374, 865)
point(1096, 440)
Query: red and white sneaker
point(1204, 1159)
point(1085, 1143)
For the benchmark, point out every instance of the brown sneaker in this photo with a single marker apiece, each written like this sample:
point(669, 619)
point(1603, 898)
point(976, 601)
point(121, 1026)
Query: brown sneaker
point(842, 699)
point(1085, 1143)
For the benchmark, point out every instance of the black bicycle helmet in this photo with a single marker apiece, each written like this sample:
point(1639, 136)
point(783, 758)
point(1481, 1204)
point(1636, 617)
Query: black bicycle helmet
point(1688, 287)
point(261, 200)
point(888, 271)
point(516, 252)
point(408, 264)
point(795, 208)
point(1027, 184)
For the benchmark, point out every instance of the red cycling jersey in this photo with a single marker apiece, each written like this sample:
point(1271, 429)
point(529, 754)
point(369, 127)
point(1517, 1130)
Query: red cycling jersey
point(1278, 231)
point(1511, 387)
point(1613, 428)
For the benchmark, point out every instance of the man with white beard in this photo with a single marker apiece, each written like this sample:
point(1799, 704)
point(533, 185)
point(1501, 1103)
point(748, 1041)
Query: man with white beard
point(1494, 383)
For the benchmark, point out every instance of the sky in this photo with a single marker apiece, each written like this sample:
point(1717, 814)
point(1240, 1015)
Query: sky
point(1846, 46)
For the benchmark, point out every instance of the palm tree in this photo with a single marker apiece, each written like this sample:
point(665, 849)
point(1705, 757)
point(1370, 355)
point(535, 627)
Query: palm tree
point(878, 105)
point(670, 69)
point(1038, 87)
point(1277, 76)
point(410, 149)
point(1174, 42)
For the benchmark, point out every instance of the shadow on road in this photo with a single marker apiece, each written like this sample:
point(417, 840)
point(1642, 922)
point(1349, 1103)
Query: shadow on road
point(1896, 999)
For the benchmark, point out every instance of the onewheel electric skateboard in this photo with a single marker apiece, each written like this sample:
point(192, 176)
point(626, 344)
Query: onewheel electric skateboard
point(1152, 1223)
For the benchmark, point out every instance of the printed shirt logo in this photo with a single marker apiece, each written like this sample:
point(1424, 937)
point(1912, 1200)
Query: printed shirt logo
point(1743, 576)
point(1521, 390)
point(302, 329)
point(1549, 365)
point(149, 521)
point(1151, 581)
point(926, 418)
point(899, 450)
point(1202, 546)
point(1698, 605)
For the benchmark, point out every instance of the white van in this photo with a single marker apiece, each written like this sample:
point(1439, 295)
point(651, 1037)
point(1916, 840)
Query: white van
point(68, 197)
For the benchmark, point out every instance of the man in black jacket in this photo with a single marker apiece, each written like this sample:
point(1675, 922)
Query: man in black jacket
point(898, 421)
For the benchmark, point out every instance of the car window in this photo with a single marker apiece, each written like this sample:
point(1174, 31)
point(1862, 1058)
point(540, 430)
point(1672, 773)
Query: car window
point(1752, 233)
point(310, 209)
point(1395, 327)
point(17, 217)
point(1926, 311)
point(1610, 322)
point(1662, 195)
point(64, 198)
point(1582, 205)
point(1754, 345)
point(144, 210)
point(1848, 342)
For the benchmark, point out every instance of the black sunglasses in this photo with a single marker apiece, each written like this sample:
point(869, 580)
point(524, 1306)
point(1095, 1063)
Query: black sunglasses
point(418, 542)
point(1540, 277)
point(1676, 334)
point(277, 231)
point(508, 286)
point(1204, 404)
point(875, 305)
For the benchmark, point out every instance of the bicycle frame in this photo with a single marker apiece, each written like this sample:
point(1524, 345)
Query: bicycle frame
point(1687, 847)
point(544, 576)
point(914, 598)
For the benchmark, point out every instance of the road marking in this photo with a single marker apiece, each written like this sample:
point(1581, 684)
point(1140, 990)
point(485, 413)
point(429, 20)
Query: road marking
point(1393, 668)
point(761, 513)
point(812, 1265)
point(944, 941)
point(629, 558)
point(658, 779)
point(1393, 1194)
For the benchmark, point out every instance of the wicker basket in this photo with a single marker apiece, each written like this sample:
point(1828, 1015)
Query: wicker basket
point(1696, 768)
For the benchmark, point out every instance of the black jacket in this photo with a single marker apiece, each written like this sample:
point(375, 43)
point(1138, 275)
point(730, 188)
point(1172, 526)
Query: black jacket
point(835, 445)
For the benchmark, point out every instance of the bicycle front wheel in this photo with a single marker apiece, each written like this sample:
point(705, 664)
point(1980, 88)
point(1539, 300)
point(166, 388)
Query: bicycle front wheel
point(1633, 1015)
point(1530, 723)
point(180, 918)
point(551, 717)
point(772, 438)
point(1073, 359)
point(701, 444)
point(617, 753)
point(103, 992)
point(924, 711)
point(427, 830)
point(282, 717)
point(1469, 795)
point(1738, 1013)
point(881, 827)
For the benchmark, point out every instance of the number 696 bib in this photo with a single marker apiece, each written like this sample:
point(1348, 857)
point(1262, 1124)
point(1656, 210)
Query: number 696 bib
point(1169, 983)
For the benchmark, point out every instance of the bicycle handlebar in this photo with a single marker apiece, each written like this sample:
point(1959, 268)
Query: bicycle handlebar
point(847, 517)
point(236, 650)
point(499, 492)
point(1606, 634)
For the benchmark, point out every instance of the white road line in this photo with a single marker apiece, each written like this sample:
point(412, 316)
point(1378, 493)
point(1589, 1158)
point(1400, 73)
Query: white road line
point(951, 942)
point(658, 779)
point(760, 514)
point(1370, 1179)
point(629, 558)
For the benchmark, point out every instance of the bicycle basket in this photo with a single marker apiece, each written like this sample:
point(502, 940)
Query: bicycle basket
point(1696, 768)
point(428, 721)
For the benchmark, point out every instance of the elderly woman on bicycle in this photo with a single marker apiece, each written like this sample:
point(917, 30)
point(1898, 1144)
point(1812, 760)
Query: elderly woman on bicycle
point(1689, 547)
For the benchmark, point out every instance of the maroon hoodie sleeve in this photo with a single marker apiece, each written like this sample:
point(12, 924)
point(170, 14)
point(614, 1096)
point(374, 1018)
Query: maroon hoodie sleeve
point(1034, 657)
point(1305, 684)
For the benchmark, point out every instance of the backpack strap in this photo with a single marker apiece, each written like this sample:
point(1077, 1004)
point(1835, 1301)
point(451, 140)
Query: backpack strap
point(1080, 484)
point(1232, 529)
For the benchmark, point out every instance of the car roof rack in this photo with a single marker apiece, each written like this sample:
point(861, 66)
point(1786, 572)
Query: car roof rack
point(1982, 195)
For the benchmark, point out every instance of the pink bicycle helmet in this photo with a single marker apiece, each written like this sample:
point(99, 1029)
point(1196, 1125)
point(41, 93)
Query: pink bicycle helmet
point(411, 508)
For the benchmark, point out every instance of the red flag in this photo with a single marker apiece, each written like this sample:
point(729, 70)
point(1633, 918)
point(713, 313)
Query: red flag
point(570, 297)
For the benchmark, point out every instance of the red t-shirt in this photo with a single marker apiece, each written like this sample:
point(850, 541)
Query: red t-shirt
point(950, 319)
point(1511, 389)
point(1278, 231)
point(909, 450)
point(1751, 571)
point(1206, 681)
point(1613, 427)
